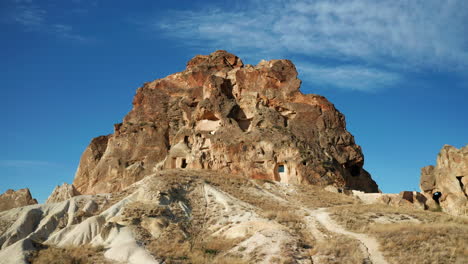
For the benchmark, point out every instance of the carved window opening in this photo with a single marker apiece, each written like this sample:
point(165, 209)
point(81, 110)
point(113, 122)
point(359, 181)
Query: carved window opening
point(281, 169)
point(281, 173)
point(179, 163)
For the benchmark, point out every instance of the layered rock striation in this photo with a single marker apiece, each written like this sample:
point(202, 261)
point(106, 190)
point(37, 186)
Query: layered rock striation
point(450, 178)
point(219, 114)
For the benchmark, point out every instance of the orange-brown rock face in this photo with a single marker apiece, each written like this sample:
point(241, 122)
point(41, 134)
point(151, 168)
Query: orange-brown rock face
point(450, 178)
point(220, 114)
point(12, 199)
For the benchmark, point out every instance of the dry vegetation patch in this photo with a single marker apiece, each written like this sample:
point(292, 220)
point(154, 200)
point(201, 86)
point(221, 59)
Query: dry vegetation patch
point(180, 249)
point(436, 238)
point(316, 197)
point(423, 243)
point(70, 255)
point(338, 249)
point(358, 218)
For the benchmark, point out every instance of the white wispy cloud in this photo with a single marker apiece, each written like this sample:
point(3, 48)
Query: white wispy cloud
point(33, 17)
point(352, 77)
point(27, 163)
point(29, 16)
point(381, 39)
point(66, 31)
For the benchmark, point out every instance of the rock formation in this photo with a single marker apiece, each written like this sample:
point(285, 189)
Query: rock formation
point(12, 199)
point(219, 114)
point(450, 177)
point(406, 199)
point(62, 193)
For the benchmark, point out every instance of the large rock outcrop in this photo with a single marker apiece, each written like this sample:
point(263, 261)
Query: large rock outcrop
point(62, 193)
point(12, 199)
point(219, 114)
point(450, 177)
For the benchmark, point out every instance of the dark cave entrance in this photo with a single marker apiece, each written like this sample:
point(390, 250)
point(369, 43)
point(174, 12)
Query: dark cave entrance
point(436, 196)
point(354, 170)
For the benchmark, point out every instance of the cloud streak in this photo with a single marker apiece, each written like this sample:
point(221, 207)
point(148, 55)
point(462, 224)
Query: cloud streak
point(35, 18)
point(351, 77)
point(27, 163)
point(379, 39)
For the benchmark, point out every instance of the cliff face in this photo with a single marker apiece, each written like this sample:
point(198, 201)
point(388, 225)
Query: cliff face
point(450, 177)
point(219, 114)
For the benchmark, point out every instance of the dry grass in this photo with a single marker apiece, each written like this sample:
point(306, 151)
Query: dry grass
point(316, 197)
point(423, 243)
point(181, 250)
point(338, 250)
point(438, 238)
point(70, 255)
point(358, 218)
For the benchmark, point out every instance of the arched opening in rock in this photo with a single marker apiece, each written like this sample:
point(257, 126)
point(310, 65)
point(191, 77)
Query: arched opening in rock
point(178, 163)
point(436, 196)
point(281, 173)
point(238, 114)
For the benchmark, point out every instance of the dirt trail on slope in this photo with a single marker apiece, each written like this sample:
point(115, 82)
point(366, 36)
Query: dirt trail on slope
point(371, 245)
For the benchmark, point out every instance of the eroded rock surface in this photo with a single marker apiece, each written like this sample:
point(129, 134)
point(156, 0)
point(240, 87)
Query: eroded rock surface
point(62, 193)
point(406, 199)
point(450, 177)
point(219, 114)
point(12, 199)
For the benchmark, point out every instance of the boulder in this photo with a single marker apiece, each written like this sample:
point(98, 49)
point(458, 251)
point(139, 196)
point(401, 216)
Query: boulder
point(219, 114)
point(450, 177)
point(12, 199)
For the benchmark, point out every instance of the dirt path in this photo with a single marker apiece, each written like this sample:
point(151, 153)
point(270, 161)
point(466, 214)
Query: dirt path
point(371, 246)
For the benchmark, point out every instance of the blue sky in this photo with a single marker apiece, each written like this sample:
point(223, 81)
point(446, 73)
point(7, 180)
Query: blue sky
point(398, 70)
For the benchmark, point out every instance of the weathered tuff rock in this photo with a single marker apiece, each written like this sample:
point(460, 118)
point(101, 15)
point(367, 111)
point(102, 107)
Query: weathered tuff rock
point(406, 199)
point(62, 193)
point(219, 114)
point(12, 199)
point(450, 177)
